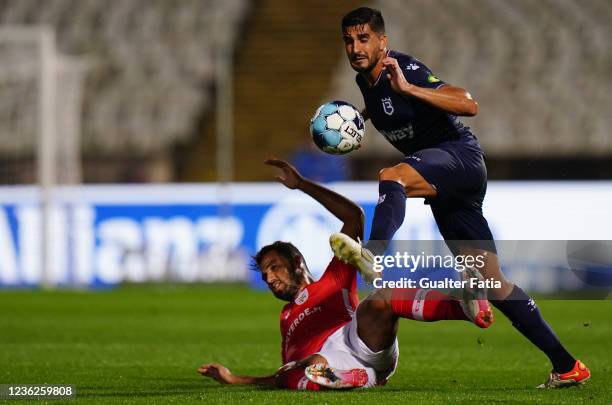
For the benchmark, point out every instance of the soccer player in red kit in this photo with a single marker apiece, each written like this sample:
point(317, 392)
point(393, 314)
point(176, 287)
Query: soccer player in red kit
point(329, 339)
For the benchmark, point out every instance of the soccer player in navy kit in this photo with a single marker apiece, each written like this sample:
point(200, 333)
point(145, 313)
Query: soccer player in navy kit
point(444, 163)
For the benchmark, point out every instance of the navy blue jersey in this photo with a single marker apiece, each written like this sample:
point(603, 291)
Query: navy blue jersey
point(410, 124)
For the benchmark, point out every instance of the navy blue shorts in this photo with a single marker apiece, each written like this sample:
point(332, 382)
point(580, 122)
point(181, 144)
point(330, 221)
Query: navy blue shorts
point(456, 169)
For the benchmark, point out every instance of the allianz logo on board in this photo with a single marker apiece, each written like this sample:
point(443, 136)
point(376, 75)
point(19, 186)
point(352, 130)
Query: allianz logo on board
point(83, 250)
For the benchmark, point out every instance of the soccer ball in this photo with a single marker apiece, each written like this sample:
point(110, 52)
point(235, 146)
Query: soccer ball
point(337, 127)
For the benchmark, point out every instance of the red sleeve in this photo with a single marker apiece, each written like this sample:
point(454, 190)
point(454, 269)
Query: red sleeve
point(296, 380)
point(341, 275)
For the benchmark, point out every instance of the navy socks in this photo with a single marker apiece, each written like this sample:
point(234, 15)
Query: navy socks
point(518, 306)
point(388, 215)
point(527, 319)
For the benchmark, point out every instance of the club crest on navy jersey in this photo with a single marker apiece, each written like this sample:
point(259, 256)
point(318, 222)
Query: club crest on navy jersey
point(387, 105)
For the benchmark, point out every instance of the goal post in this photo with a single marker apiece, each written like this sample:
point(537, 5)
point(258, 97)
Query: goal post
point(40, 116)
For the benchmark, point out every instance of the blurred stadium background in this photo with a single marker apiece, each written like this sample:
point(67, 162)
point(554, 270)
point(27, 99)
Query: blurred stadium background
point(132, 135)
point(188, 97)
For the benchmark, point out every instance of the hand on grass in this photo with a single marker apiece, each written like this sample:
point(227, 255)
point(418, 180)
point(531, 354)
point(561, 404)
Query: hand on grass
point(217, 372)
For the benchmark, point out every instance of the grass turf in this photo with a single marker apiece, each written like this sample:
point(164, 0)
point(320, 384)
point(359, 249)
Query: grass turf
point(142, 344)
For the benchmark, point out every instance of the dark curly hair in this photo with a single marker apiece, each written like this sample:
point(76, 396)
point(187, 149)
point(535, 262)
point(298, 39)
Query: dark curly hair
point(285, 249)
point(363, 16)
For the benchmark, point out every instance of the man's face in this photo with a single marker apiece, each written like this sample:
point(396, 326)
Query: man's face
point(280, 276)
point(364, 47)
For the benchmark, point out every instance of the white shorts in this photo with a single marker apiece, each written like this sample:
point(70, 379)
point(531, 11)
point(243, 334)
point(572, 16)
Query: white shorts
point(344, 350)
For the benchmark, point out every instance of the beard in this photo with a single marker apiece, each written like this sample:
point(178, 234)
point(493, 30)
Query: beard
point(289, 289)
point(366, 69)
point(287, 293)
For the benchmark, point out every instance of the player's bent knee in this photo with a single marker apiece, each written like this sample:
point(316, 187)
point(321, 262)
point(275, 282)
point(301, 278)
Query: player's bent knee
point(398, 175)
point(389, 174)
point(414, 184)
point(377, 304)
point(402, 173)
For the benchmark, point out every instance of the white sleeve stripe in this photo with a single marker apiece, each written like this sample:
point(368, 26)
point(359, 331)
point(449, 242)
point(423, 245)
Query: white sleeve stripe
point(418, 305)
point(301, 385)
point(347, 301)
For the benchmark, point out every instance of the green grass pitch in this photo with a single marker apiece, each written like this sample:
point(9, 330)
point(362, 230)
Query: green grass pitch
point(142, 344)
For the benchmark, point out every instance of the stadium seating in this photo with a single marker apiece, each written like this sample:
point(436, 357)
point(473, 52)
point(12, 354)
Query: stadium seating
point(539, 69)
point(150, 64)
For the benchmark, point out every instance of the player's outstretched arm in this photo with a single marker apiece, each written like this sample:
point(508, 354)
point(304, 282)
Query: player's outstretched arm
point(453, 100)
point(290, 376)
point(223, 375)
point(344, 209)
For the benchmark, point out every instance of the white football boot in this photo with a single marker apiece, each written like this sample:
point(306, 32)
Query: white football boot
point(351, 252)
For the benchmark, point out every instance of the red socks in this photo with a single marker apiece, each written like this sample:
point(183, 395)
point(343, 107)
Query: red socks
point(425, 305)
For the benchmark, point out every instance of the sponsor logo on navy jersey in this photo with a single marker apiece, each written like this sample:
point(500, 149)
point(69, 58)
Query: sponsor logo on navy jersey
point(398, 134)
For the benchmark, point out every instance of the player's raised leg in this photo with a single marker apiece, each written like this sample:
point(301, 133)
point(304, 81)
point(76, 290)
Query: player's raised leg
point(378, 315)
point(395, 185)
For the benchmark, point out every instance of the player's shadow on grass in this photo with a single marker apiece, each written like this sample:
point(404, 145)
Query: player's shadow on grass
point(454, 388)
point(184, 379)
point(175, 387)
point(176, 391)
point(179, 386)
point(206, 383)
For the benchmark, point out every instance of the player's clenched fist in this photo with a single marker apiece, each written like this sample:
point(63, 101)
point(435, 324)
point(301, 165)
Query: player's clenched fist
point(395, 75)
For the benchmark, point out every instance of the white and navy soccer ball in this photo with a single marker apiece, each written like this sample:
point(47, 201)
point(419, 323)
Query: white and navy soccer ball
point(337, 127)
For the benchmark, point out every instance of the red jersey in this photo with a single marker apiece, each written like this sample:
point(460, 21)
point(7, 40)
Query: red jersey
point(318, 311)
